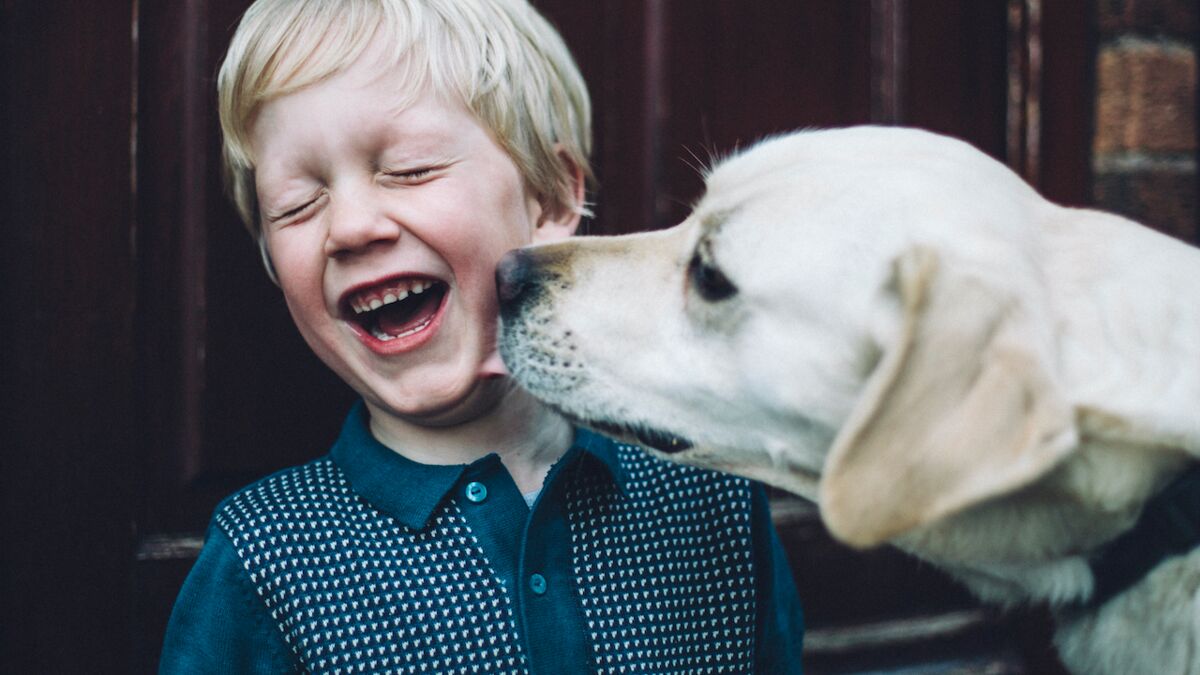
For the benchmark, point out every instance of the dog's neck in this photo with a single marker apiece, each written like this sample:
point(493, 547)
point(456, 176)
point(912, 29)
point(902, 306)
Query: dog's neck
point(1168, 526)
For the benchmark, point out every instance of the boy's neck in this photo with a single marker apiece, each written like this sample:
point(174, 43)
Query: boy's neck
point(528, 436)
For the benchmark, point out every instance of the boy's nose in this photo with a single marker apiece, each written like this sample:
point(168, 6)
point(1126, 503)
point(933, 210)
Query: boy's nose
point(356, 225)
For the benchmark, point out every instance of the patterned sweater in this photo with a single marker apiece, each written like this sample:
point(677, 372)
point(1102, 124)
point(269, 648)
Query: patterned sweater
point(363, 561)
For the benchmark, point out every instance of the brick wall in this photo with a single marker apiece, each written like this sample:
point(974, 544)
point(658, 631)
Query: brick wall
point(1144, 150)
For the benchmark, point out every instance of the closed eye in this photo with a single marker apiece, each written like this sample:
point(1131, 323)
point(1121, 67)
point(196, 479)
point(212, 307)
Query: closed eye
point(412, 176)
point(707, 279)
point(294, 214)
point(297, 211)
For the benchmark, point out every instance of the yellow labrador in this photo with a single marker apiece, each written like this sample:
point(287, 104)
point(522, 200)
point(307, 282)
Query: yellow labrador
point(894, 325)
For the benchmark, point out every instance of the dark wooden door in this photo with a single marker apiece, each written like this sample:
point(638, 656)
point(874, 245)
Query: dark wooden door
point(150, 367)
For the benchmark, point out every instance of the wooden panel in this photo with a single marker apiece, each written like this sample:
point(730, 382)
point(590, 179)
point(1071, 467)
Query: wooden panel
point(1068, 89)
point(233, 392)
point(739, 71)
point(956, 70)
point(68, 476)
point(618, 46)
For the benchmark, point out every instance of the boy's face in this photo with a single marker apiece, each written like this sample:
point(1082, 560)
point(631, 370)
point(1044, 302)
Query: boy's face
point(385, 222)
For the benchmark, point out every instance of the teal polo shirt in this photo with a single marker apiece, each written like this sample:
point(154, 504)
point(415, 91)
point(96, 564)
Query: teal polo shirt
point(365, 561)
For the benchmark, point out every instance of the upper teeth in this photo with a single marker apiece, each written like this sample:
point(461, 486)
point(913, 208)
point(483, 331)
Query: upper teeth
point(376, 298)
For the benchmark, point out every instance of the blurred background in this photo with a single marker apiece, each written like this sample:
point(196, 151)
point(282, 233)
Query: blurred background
point(150, 368)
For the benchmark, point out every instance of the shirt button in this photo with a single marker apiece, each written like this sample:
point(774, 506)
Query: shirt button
point(537, 583)
point(476, 492)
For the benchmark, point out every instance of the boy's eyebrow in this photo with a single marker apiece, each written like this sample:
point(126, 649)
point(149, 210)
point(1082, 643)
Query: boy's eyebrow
point(424, 145)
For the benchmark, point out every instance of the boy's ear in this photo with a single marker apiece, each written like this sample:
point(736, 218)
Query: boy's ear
point(560, 222)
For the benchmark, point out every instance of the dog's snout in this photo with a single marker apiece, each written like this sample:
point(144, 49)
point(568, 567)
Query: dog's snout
point(516, 275)
point(523, 275)
point(513, 274)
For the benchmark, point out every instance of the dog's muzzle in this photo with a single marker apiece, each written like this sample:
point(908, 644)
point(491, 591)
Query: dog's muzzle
point(523, 277)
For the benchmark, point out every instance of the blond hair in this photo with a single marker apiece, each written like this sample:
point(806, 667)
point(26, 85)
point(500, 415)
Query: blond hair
point(504, 61)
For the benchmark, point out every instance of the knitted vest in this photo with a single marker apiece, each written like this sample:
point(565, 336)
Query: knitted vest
point(663, 568)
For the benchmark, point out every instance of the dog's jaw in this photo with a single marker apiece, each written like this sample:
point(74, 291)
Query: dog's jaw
point(773, 465)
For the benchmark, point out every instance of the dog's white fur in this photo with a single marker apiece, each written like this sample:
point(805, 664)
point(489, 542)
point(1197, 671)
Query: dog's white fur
point(918, 341)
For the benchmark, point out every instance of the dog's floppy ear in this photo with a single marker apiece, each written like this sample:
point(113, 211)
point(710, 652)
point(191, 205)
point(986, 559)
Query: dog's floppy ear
point(962, 407)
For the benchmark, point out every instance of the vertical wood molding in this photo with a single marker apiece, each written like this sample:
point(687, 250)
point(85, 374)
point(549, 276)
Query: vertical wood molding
point(889, 46)
point(633, 98)
point(193, 242)
point(1015, 108)
point(172, 207)
point(1024, 117)
point(656, 105)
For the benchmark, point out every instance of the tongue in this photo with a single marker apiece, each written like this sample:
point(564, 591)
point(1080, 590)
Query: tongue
point(405, 315)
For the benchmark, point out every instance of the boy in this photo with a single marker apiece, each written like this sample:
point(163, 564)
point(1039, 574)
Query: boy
point(385, 154)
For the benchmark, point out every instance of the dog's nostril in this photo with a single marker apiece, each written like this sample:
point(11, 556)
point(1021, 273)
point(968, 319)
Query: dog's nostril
point(513, 274)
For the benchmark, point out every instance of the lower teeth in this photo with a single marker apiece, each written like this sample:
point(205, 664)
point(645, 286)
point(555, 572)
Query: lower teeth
point(384, 337)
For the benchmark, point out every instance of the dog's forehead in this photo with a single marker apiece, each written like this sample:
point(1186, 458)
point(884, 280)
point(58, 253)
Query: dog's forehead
point(787, 177)
point(847, 187)
point(780, 210)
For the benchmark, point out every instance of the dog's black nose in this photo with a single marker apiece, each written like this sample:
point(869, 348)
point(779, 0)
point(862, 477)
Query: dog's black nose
point(515, 273)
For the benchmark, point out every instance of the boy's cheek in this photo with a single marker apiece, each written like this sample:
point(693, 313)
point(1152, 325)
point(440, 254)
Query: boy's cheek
point(294, 259)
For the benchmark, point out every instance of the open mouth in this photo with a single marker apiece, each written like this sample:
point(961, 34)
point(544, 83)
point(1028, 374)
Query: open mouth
point(653, 438)
point(396, 309)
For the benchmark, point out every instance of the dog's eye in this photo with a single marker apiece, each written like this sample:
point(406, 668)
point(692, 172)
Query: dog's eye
point(708, 281)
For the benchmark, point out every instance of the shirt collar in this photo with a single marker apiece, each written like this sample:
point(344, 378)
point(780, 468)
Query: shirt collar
point(411, 491)
point(604, 449)
point(396, 485)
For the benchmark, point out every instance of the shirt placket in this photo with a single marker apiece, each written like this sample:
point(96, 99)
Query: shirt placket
point(530, 551)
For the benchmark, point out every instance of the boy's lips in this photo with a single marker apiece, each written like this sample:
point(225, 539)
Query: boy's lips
point(397, 314)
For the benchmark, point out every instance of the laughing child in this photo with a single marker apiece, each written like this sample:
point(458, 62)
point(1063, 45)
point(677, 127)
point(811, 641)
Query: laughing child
point(385, 154)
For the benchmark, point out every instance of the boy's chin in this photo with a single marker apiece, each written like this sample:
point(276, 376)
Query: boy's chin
point(479, 401)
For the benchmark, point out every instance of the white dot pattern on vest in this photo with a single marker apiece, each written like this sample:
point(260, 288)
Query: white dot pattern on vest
point(664, 571)
point(354, 591)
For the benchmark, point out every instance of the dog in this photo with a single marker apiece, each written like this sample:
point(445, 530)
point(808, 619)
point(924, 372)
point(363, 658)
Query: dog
point(894, 325)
